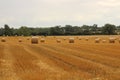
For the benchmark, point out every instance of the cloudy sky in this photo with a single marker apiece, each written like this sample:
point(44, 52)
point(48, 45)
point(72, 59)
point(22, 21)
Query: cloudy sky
point(46, 13)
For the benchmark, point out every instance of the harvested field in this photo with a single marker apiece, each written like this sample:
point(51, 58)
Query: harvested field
point(82, 60)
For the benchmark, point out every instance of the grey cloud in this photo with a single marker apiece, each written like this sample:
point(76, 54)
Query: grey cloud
point(58, 12)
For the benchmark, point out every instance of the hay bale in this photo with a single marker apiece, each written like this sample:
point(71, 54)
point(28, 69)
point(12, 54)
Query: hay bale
point(111, 40)
point(104, 41)
point(3, 40)
point(58, 41)
point(97, 40)
point(34, 40)
point(54, 36)
point(28, 38)
point(42, 36)
point(71, 40)
point(64, 39)
point(96, 37)
point(86, 39)
point(79, 38)
point(42, 40)
point(20, 40)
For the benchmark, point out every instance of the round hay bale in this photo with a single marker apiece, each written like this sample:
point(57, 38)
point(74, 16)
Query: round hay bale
point(71, 40)
point(20, 40)
point(111, 40)
point(28, 38)
point(77, 37)
point(58, 41)
point(104, 41)
point(96, 37)
point(86, 39)
point(34, 40)
point(97, 40)
point(80, 38)
point(42, 40)
point(42, 36)
point(3, 40)
point(64, 39)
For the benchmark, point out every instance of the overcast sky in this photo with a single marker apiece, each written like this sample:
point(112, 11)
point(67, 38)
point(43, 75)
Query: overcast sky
point(43, 13)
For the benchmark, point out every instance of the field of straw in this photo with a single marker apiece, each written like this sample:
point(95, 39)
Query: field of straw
point(60, 58)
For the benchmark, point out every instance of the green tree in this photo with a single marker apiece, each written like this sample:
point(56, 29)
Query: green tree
point(44, 31)
point(24, 31)
point(57, 30)
point(109, 29)
point(76, 30)
point(1, 31)
point(7, 30)
point(118, 30)
point(68, 29)
point(93, 29)
point(34, 31)
point(86, 30)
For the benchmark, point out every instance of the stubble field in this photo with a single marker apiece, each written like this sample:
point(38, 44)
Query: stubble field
point(81, 60)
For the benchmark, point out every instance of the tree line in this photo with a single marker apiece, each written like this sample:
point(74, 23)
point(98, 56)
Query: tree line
point(107, 29)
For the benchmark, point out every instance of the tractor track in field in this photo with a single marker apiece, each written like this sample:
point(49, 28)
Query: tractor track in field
point(101, 50)
point(28, 62)
point(85, 55)
point(66, 66)
point(73, 65)
point(110, 71)
point(45, 68)
point(95, 50)
point(104, 65)
point(110, 68)
point(7, 71)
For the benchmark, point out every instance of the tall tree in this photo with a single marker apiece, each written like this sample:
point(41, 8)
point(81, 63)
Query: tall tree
point(68, 29)
point(86, 30)
point(7, 30)
point(1, 31)
point(24, 31)
point(109, 29)
point(57, 30)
